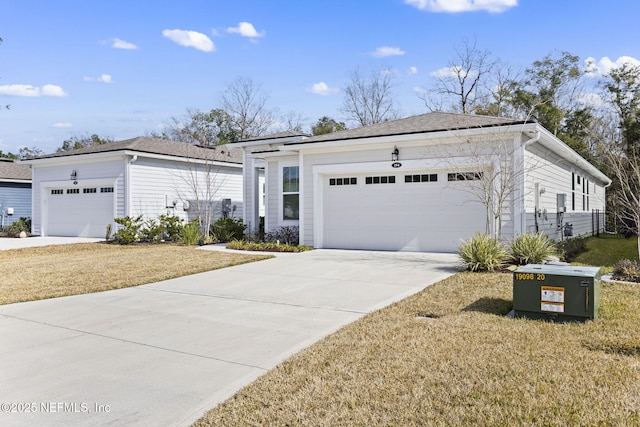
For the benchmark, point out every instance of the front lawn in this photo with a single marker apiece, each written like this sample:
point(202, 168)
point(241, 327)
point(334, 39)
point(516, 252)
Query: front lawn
point(53, 271)
point(606, 251)
point(448, 357)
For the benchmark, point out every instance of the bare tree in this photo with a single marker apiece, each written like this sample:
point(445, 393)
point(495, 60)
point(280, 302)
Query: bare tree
point(246, 103)
point(200, 184)
point(624, 166)
point(369, 100)
point(463, 81)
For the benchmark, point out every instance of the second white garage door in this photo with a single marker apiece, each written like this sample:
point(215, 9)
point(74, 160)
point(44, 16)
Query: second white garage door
point(79, 212)
point(399, 212)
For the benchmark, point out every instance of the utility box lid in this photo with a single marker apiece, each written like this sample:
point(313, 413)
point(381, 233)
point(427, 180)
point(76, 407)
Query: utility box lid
point(556, 292)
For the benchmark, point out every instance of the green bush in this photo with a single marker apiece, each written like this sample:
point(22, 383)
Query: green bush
point(482, 253)
point(569, 249)
point(627, 270)
point(171, 227)
point(289, 235)
point(530, 248)
point(151, 231)
point(190, 233)
point(228, 229)
point(17, 227)
point(129, 232)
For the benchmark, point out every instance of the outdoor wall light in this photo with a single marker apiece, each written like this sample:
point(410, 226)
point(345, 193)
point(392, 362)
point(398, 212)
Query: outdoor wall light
point(74, 175)
point(394, 154)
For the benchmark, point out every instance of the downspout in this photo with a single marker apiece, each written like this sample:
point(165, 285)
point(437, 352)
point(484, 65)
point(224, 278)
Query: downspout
point(127, 186)
point(604, 198)
point(523, 210)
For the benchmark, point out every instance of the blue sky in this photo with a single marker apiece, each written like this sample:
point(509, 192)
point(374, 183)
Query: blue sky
point(122, 69)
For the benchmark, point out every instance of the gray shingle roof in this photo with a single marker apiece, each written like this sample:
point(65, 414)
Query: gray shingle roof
point(14, 170)
point(219, 153)
point(430, 122)
point(285, 134)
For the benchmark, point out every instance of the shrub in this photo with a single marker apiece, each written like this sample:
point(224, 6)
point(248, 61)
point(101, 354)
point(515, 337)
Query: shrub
point(289, 235)
point(17, 227)
point(244, 245)
point(171, 227)
point(130, 230)
point(151, 231)
point(571, 248)
point(190, 233)
point(627, 270)
point(482, 253)
point(227, 229)
point(530, 248)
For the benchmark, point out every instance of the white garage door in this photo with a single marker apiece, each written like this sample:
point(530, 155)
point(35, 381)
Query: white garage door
point(82, 212)
point(399, 212)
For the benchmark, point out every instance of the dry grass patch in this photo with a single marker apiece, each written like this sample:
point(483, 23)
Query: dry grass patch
point(464, 364)
point(53, 271)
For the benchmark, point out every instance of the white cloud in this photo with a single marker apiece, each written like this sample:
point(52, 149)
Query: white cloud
point(419, 90)
point(104, 78)
point(246, 29)
point(412, 71)
point(445, 72)
point(603, 67)
point(321, 88)
point(121, 44)
point(32, 91)
point(192, 39)
point(458, 6)
point(384, 51)
point(62, 125)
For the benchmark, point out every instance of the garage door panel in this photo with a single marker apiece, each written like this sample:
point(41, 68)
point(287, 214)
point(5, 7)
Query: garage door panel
point(79, 214)
point(414, 216)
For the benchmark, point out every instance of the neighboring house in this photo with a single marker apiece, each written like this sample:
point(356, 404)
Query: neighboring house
point(15, 191)
point(80, 192)
point(423, 183)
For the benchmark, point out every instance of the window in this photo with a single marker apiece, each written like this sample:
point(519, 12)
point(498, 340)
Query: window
point(464, 176)
point(106, 190)
point(57, 191)
point(433, 177)
point(290, 192)
point(573, 191)
point(391, 179)
point(343, 181)
point(89, 190)
point(73, 191)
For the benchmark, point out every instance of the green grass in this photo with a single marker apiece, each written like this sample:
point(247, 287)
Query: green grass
point(606, 251)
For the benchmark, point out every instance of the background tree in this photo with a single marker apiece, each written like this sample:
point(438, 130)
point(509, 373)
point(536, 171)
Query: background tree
point(82, 141)
point(462, 85)
point(369, 100)
point(325, 125)
point(619, 148)
point(29, 152)
point(246, 103)
point(206, 129)
point(8, 155)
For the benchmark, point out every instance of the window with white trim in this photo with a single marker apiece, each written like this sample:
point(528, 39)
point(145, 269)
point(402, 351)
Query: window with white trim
point(290, 193)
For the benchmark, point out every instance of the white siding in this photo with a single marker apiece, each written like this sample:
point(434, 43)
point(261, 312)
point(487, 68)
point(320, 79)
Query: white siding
point(554, 176)
point(16, 196)
point(154, 182)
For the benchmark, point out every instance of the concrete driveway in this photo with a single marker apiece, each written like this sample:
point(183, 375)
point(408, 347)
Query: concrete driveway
point(162, 354)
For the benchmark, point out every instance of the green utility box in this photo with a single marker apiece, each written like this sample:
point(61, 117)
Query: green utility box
point(562, 293)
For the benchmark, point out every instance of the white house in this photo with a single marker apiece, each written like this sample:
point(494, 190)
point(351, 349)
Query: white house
point(80, 192)
point(15, 191)
point(423, 183)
